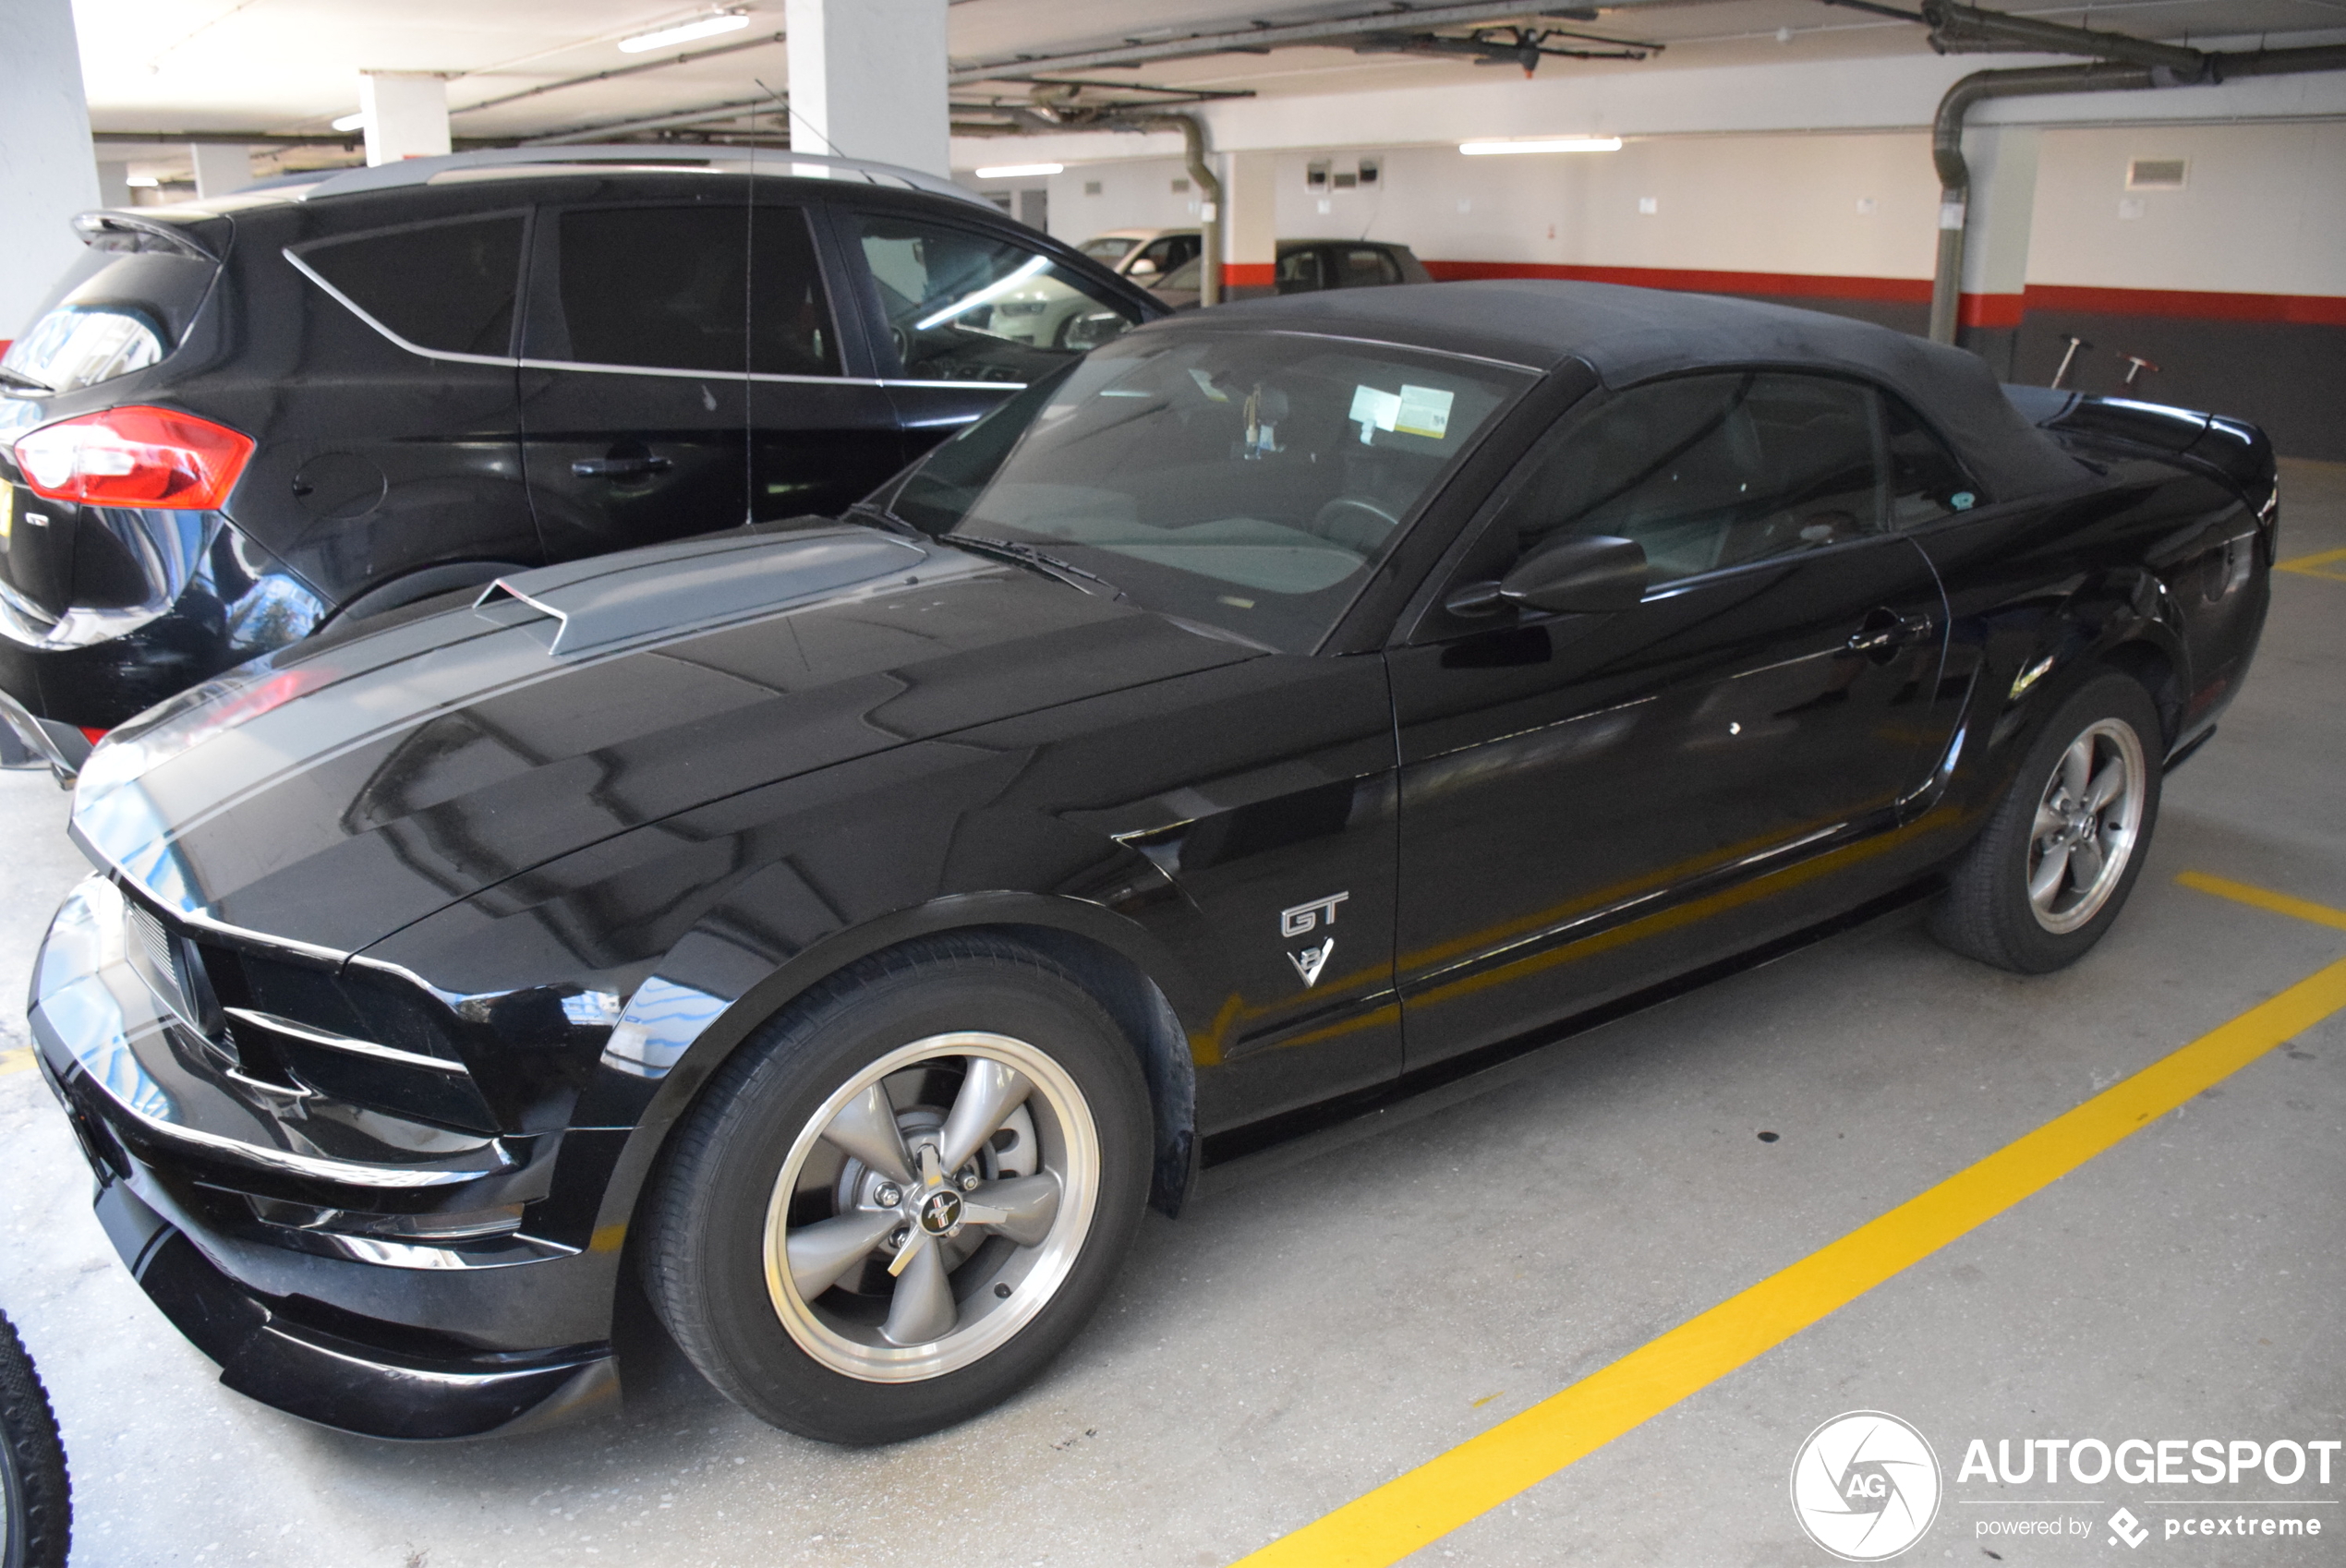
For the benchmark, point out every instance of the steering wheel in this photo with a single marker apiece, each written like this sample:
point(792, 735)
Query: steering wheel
point(1356, 525)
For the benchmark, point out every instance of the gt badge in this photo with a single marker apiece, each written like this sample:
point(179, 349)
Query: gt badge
point(1311, 960)
point(1303, 917)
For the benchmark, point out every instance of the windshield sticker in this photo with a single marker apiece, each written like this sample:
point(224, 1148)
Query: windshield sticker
point(1373, 411)
point(1206, 384)
point(1422, 411)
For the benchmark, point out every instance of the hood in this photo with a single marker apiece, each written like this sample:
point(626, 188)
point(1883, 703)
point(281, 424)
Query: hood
point(323, 800)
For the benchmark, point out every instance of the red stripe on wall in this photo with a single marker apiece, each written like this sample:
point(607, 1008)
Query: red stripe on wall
point(1248, 274)
point(1977, 310)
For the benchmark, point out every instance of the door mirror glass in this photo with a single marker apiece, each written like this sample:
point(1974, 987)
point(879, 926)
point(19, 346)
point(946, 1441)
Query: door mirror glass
point(1143, 267)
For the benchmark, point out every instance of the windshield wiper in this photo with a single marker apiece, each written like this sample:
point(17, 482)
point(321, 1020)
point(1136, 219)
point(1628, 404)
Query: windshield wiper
point(880, 517)
point(1029, 555)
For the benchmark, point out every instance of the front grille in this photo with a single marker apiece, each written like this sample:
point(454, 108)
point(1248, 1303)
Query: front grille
point(155, 954)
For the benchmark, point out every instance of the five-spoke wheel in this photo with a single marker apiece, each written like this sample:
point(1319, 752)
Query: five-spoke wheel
point(2046, 874)
point(896, 1201)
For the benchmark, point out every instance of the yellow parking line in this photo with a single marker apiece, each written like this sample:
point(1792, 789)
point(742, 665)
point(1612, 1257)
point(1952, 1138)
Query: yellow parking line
point(2264, 898)
point(1428, 1503)
point(2311, 565)
point(14, 1061)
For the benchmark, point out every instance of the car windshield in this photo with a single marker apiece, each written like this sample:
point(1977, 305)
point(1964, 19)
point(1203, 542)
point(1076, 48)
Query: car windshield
point(1252, 482)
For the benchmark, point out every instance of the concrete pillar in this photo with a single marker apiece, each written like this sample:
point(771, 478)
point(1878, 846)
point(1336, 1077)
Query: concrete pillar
point(406, 114)
point(1249, 223)
point(220, 170)
point(47, 173)
point(113, 184)
point(867, 81)
point(1995, 269)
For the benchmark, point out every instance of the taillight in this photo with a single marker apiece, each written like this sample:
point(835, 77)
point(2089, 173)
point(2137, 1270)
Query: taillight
point(135, 456)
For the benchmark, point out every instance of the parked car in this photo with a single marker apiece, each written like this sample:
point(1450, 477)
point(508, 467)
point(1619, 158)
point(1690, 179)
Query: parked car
point(241, 420)
point(1145, 256)
point(1307, 266)
point(844, 930)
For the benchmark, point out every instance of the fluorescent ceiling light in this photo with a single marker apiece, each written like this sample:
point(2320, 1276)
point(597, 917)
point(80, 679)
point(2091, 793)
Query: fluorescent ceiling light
point(352, 122)
point(1015, 171)
point(142, 182)
point(700, 27)
point(1545, 144)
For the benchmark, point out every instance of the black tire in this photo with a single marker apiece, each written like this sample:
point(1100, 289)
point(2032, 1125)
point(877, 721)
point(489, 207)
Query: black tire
point(1987, 912)
point(705, 1257)
point(36, 1495)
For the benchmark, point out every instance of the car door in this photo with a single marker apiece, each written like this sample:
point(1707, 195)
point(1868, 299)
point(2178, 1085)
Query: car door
point(1300, 270)
point(1364, 266)
point(1592, 802)
point(634, 379)
point(823, 433)
point(961, 316)
point(394, 431)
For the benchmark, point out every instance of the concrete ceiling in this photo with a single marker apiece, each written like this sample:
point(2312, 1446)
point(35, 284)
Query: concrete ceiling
point(291, 66)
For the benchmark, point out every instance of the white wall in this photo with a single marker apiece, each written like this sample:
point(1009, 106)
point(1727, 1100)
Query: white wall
point(1750, 204)
point(1134, 195)
point(2263, 210)
point(47, 171)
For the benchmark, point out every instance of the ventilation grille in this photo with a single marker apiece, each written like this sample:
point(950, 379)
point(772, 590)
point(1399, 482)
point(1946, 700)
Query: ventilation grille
point(2157, 174)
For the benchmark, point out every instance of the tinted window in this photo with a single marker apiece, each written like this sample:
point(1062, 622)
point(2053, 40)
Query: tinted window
point(1713, 471)
point(448, 287)
point(670, 287)
point(963, 306)
point(1169, 252)
point(1250, 482)
point(1364, 267)
point(1925, 479)
point(1108, 249)
point(1299, 271)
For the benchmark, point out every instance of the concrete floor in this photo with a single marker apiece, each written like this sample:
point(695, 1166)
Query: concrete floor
point(1332, 1314)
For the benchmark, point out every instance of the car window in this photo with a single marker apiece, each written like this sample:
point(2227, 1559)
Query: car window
point(1250, 482)
point(1171, 251)
point(1360, 266)
point(1109, 248)
point(446, 285)
point(1712, 471)
point(1299, 271)
point(695, 288)
point(1926, 481)
point(963, 306)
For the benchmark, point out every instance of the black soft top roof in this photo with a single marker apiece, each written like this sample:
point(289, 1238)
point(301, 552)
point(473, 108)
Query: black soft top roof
point(1633, 334)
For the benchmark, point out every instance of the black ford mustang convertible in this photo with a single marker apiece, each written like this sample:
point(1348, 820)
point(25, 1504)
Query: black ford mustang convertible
point(831, 936)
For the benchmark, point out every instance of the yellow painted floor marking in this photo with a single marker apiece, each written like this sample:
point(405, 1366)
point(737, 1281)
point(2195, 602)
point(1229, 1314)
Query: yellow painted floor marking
point(14, 1061)
point(2312, 565)
point(2264, 898)
point(1437, 1496)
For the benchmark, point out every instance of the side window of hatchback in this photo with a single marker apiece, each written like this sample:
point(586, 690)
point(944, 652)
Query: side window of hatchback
point(447, 286)
point(1714, 471)
point(964, 306)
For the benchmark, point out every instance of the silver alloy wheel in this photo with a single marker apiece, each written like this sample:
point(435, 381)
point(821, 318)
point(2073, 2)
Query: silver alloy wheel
point(2087, 821)
point(932, 1207)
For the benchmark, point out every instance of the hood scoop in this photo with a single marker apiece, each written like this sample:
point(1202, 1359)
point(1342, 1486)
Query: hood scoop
point(611, 600)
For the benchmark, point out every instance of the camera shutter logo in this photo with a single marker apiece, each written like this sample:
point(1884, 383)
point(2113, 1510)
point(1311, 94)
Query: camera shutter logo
point(1865, 1486)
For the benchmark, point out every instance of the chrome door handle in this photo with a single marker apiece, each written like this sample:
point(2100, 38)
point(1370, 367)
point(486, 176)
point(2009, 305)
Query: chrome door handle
point(619, 467)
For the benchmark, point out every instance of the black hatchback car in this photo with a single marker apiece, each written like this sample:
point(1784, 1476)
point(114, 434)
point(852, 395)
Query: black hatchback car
point(834, 935)
point(241, 420)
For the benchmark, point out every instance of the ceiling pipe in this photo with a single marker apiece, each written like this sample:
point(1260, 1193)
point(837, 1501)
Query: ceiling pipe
point(1209, 191)
point(1954, 174)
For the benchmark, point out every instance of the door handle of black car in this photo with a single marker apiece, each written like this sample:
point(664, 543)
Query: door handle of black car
point(619, 467)
point(1884, 630)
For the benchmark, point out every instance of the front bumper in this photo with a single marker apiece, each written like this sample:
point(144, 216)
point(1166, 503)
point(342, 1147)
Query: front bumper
point(382, 1336)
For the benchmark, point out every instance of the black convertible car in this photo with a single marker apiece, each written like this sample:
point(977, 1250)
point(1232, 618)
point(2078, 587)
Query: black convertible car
point(831, 937)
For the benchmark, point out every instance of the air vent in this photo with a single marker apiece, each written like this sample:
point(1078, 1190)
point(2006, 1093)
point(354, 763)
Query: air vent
point(2157, 174)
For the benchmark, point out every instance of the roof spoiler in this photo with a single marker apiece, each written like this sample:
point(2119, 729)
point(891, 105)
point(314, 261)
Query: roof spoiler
point(110, 230)
point(419, 171)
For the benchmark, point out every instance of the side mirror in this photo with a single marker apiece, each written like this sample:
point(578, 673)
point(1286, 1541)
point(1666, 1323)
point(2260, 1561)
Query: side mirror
point(1583, 577)
point(1143, 267)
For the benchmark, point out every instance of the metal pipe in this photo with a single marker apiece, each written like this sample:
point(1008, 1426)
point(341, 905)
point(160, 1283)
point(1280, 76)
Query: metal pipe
point(1209, 190)
point(1954, 174)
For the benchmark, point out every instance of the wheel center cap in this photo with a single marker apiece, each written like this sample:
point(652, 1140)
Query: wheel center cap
point(940, 1212)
